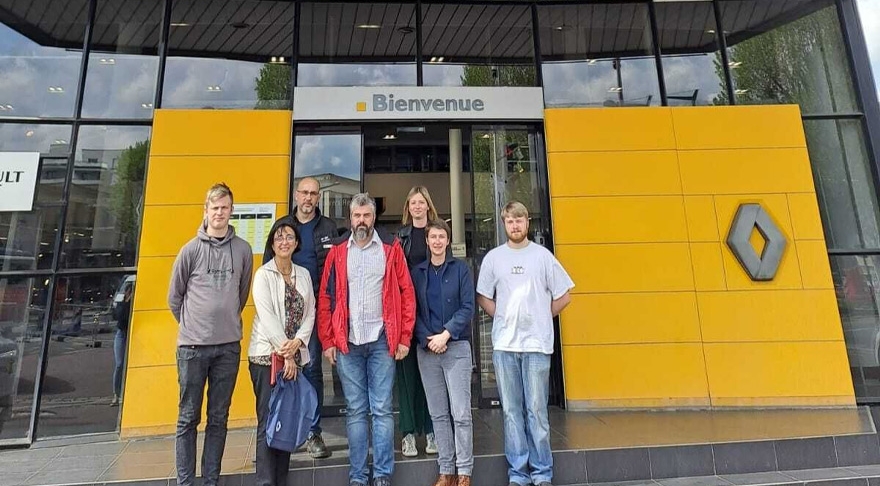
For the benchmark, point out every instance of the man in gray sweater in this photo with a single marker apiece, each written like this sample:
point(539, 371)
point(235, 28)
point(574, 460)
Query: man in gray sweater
point(210, 282)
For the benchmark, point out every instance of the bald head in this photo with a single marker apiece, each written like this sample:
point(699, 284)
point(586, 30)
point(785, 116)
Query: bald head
point(306, 197)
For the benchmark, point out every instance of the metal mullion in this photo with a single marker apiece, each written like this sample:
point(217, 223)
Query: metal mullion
point(164, 31)
point(26, 273)
point(38, 121)
point(420, 80)
point(294, 63)
point(72, 272)
point(536, 47)
point(833, 116)
point(722, 46)
point(115, 121)
point(658, 55)
point(863, 252)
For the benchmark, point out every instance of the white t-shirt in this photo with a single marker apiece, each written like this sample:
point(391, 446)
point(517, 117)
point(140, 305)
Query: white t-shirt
point(523, 282)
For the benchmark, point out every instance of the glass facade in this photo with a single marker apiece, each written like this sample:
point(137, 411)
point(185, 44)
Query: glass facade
point(79, 80)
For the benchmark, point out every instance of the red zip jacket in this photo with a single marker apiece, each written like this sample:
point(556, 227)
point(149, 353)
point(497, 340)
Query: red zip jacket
point(398, 297)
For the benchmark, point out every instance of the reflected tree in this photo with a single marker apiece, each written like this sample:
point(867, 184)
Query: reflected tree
point(498, 75)
point(273, 86)
point(127, 192)
point(794, 63)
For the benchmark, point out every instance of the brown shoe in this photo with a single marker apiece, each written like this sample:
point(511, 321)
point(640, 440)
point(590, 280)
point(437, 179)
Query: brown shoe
point(464, 481)
point(446, 480)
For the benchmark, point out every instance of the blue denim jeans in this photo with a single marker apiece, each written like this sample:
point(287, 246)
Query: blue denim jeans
point(216, 366)
point(119, 357)
point(315, 374)
point(367, 375)
point(524, 385)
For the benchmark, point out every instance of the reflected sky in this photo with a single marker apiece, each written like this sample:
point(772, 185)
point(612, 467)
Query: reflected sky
point(356, 75)
point(869, 11)
point(594, 83)
point(328, 154)
point(192, 82)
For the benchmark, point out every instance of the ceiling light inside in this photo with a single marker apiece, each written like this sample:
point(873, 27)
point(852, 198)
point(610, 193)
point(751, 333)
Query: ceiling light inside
point(390, 136)
point(56, 89)
point(214, 88)
point(107, 61)
point(741, 91)
point(369, 26)
point(179, 24)
point(29, 133)
point(615, 89)
point(146, 105)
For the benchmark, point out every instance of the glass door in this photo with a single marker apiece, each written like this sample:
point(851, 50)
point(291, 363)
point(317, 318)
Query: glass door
point(333, 157)
point(506, 165)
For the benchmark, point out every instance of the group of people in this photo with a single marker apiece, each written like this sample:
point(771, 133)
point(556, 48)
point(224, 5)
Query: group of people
point(364, 300)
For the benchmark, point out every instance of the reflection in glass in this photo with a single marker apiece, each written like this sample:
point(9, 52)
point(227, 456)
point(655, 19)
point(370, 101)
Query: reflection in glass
point(597, 55)
point(106, 197)
point(21, 328)
point(844, 185)
point(334, 159)
point(121, 78)
point(233, 54)
point(691, 59)
point(857, 284)
point(477, 45)
point(78, 388)
point(27, 238)
point(505, 168)
point(357, 44)
point(389, 74)
point(38, 80)
point(803, 61)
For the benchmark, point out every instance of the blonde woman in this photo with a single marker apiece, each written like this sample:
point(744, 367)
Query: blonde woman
point(418, 211)
point(285, 303)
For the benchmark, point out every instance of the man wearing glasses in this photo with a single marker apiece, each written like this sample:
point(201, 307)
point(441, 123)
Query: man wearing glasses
point(316, 232)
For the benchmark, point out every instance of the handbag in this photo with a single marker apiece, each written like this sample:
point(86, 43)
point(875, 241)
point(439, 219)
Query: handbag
point(292, 413)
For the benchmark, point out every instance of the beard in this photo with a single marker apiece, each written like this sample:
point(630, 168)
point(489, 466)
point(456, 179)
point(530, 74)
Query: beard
point(517, 238)
point(363, 232)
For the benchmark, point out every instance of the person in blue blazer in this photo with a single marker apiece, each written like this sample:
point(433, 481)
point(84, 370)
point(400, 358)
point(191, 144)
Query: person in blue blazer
point(445, 296)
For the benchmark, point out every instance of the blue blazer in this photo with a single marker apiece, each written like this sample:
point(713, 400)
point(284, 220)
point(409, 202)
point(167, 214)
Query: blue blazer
point(457, 300)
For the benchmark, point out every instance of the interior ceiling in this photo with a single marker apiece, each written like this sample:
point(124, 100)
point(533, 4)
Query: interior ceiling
point(380, 32)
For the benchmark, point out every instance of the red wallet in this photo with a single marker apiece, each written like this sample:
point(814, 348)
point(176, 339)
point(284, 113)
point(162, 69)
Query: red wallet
point(276, 367)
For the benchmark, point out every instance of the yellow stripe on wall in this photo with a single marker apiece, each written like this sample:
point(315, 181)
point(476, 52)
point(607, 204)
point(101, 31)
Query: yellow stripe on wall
point(643, 200)
point(190, 151)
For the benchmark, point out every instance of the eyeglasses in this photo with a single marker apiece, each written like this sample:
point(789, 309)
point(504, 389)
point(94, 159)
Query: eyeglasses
point(309, 193)
point(283, 238)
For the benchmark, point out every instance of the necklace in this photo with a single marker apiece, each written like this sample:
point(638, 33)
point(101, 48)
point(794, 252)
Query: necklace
point(288, 272)
point(436, 268)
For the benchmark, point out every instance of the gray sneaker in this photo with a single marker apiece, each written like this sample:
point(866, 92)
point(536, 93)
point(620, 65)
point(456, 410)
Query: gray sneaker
point(316, 447)
point(383, 481)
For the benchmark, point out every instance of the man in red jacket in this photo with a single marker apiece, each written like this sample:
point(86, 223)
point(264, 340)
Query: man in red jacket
point(366, 314)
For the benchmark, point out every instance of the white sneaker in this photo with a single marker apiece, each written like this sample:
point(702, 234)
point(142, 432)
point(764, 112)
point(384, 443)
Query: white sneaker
point(431, 447)
point(408, 449)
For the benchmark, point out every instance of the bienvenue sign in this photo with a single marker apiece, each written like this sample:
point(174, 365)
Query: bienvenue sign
point(18, 180)
point(417, 103)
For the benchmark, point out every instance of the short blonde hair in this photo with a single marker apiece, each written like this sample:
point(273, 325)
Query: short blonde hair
point(432, 211)
point(218, 191)
point(515, 209)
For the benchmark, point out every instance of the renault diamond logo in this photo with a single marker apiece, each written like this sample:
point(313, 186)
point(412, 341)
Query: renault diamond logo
point(748, 217)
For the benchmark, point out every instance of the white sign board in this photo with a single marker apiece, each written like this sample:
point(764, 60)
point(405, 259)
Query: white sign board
point(19, 172)
point(253, 222)
point(418, 103)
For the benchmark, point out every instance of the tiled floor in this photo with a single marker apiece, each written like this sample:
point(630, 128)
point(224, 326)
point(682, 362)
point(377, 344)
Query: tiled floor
point(153, 458)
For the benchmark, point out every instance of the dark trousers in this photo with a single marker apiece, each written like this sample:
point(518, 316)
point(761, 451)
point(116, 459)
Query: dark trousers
point(411, 401)
point(272, 464)
point(315, 374)
point(216, 366)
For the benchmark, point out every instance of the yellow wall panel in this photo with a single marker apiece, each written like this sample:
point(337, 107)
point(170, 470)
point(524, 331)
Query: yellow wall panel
point(780, 315)
point(157, 388)
point(815, 268)
point(701, 220)
point(656, 370)
point(708, 266)
point(614, 173)
point(663, 317)
point(805, 220)
point(221, 132)
point(738, 127)
point(636, 267)
point(153, 338)
point(179, 225)
point(755, 171)
point(608, 129)
point(624, 219)
point(154, 275)
point(201, 172)
point(794, 369)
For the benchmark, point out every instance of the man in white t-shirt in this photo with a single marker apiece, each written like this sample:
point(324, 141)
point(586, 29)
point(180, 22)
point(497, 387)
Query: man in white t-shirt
point(523, 287)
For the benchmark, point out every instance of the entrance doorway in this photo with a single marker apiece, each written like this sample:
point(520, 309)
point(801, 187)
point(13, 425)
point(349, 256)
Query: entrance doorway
point(471, 171)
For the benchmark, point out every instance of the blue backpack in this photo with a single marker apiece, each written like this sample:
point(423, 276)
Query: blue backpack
point(291, 413)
